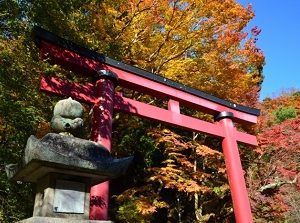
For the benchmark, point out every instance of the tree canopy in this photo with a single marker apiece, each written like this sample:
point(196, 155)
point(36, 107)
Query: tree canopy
point(273, 177)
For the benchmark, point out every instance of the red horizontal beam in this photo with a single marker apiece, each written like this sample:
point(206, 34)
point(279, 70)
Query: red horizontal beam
point(87, 94)
point(79, 64)
point(84, 93)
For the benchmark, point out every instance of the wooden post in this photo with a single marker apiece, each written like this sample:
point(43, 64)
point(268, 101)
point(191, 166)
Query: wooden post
point(105, 82)
point(236, 178)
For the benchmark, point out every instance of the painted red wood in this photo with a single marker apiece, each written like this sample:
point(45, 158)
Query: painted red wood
point(88, 94)
point(103, 112)
point(86, 66)
point(241, 205)
point(102, 134)
point(173, 106)
point(83, 93)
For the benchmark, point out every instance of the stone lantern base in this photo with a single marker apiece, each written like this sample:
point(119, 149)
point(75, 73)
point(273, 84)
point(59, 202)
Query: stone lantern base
point(64, 169)
point(59, 220)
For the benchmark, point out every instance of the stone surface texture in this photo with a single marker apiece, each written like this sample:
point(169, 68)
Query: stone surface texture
point(59, 220)
point(60, 124)
point(67, 117)
point(45, 197)
point(68, 155)
point(68, 108)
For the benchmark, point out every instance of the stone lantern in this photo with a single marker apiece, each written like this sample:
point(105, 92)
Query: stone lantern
point(65, 167)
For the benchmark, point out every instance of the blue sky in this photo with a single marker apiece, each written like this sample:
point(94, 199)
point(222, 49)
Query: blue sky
point(280, 41)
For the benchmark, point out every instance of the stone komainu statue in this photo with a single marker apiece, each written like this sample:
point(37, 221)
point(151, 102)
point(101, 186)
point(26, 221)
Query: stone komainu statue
point(64, 152)
point(67, 117)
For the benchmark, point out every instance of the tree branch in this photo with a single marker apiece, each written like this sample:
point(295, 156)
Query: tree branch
point(277, 184)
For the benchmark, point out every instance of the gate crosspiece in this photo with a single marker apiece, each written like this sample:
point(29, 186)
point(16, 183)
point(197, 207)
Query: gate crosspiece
point(89, 63)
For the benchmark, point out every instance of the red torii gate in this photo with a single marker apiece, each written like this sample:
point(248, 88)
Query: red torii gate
point(108, 72)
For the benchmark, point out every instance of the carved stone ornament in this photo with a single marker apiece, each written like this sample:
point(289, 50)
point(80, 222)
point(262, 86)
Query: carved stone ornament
point(67, 117)
point(62, 153)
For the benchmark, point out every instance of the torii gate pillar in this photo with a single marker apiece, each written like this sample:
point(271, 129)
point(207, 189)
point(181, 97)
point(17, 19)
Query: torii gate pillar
point(242, 209)
point(105, 82)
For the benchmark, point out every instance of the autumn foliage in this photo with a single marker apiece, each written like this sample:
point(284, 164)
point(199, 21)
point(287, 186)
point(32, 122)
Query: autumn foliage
point(198, 43)
point(177, 171)
point(273, 178)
